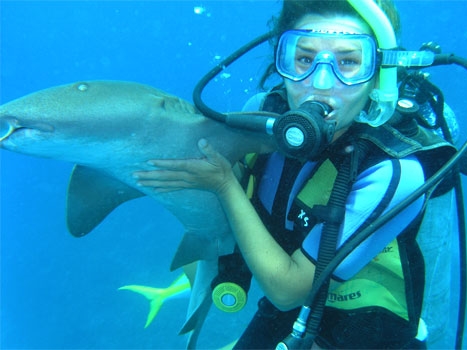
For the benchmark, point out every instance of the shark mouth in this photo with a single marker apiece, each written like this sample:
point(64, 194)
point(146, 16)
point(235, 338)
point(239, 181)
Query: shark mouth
point(8, 126)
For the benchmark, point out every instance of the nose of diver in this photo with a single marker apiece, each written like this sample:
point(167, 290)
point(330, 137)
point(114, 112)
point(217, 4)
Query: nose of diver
point(323, 78)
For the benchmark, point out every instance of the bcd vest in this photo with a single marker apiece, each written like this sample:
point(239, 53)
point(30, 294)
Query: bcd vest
point(381, 305)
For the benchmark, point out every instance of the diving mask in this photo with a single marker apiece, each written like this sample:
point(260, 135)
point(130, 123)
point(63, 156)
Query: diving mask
point(351, 56)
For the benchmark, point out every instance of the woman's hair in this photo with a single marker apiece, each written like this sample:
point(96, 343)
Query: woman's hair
point(293, 10)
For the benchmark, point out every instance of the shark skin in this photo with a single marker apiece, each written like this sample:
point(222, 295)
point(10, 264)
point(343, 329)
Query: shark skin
point(109, 129)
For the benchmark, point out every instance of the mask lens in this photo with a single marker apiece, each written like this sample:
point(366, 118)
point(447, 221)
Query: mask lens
point(352, 56)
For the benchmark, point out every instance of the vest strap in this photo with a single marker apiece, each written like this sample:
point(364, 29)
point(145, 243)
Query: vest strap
point(330, 214)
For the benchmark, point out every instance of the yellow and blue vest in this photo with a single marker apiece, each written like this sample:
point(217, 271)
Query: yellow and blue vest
point(383, 300)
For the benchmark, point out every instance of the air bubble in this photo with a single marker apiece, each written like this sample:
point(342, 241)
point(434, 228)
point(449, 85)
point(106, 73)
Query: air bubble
point(199, 10)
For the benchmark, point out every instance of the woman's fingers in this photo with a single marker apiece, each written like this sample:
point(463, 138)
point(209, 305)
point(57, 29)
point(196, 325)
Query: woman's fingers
point(208, 173)
point(212, 156)
point(206, 149)
point(163, 183)
point(159, 175)
point(168, 179)
point(170, 164)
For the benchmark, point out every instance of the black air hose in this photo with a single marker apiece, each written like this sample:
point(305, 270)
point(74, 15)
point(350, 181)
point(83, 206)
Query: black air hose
point(333, 216)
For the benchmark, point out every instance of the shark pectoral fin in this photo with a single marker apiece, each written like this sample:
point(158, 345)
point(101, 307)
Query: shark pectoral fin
point(91, 196)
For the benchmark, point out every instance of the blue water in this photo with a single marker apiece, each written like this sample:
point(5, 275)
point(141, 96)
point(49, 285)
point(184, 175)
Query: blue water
point(59, 292)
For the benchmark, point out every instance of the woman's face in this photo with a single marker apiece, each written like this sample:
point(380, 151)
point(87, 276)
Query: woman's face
point(322, 85)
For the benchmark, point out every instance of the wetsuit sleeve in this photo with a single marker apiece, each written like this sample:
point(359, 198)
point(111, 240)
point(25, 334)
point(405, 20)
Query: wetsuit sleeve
point(386, 183)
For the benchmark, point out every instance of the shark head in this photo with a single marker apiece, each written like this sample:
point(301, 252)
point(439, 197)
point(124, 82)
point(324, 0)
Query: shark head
point(87, 122)
point(110, 129)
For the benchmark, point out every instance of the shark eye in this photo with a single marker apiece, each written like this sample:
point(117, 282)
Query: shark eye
point(83, 87)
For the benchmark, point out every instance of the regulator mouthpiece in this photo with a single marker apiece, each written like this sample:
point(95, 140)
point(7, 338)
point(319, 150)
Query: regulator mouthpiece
point(304, 133)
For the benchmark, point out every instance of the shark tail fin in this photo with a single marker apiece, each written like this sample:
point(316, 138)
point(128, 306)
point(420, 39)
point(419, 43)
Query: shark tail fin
point(157, 296)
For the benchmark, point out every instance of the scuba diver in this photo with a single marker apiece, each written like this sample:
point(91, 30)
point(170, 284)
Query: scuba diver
point(351, 149)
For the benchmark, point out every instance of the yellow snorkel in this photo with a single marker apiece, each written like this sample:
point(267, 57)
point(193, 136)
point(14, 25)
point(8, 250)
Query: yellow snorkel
point(385, 98)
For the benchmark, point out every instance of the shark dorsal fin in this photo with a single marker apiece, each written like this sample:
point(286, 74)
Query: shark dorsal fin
point(91, 196)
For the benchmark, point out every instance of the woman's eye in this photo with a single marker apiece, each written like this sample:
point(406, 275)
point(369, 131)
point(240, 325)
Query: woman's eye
point(305, 60)
point(348, 62)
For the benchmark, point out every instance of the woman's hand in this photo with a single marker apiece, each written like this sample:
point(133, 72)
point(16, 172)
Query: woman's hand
point(285, 280)
point(212, 173)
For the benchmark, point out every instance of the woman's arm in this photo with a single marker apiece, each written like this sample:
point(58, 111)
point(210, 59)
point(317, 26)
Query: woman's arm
point(286, 280)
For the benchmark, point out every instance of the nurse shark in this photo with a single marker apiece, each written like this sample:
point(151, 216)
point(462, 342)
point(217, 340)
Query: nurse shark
point(109, 129)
